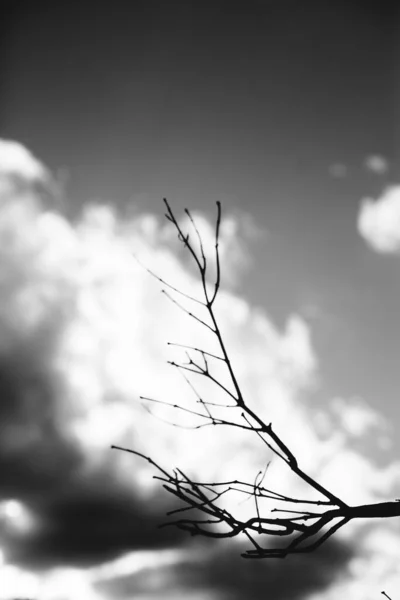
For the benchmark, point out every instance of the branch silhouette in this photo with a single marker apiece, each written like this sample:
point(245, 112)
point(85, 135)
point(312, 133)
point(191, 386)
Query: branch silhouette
point(302, 524)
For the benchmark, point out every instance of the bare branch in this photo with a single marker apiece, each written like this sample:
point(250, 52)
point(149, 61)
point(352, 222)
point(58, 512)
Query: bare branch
point(305, 524)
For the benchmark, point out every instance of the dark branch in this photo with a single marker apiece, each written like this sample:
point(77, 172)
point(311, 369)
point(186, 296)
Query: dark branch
point(304, 529)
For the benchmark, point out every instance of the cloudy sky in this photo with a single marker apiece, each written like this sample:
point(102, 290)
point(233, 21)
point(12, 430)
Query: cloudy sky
point(286, 113)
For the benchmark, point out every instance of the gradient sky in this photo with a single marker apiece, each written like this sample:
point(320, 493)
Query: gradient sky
point(271, 106)
point(249, 103)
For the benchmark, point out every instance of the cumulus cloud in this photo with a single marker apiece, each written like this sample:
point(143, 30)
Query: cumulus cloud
point(78, 345)
point(379, 221)
point(83, 332)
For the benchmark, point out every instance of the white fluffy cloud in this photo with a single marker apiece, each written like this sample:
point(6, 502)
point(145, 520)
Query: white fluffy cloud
point(83, 332)
point(17, 163)
point(379, 221)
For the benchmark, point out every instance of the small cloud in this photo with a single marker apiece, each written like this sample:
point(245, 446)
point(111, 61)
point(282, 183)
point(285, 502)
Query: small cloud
point(375, 163)
point(379, 221)
point(338, 170)
point(356, 417)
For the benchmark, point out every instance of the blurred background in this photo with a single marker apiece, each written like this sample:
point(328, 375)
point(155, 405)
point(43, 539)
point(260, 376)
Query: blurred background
point(286, 113)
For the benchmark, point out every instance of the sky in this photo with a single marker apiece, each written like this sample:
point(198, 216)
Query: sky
point(285, 113)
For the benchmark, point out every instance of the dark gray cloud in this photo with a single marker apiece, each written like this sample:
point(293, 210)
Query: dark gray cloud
point(79, 518)
point(87, 523)
point(289, 579)
point(35, 455)
point(220, 568)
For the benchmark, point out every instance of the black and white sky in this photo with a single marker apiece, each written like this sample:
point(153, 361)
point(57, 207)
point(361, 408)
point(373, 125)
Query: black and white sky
point(287, 113)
